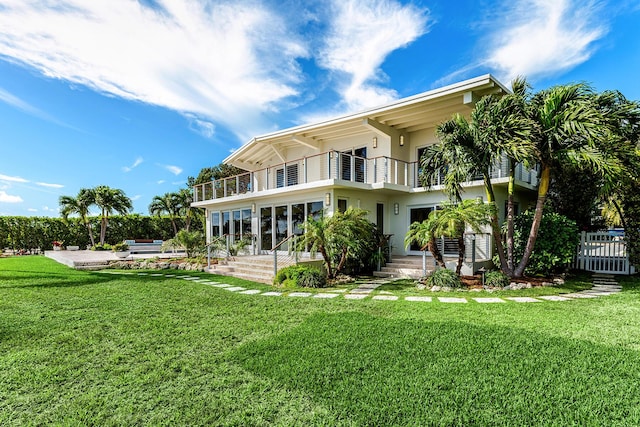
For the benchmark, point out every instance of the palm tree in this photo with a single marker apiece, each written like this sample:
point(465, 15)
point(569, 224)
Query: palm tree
point(168, 203)
point(337, 238)
point(471, 148)
point(110, 200)
point(80, 206)
point(569, 128)
point(424, 234)
point(450, 220)
point(185, 198)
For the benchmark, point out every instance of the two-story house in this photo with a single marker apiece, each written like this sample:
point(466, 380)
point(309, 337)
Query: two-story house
point(367, 160)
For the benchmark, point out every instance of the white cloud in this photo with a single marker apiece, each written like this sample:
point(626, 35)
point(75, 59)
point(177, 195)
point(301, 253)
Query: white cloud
point(32, 210)
point(203, 127)
point(49, 185)
point(173, 169)
point(543, 37)
point(362, 35)
point(8, 198)
point(228, 62)
point(135, 164)
point(162, 181)
point(12, 178)
point(136, 197)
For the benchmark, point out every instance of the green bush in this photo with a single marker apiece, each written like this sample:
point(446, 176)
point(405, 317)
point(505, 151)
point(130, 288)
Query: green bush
point(120, 247)
point(444, 278)
point(300, 276)
point(100, 247)
point(555, 246)
point(496, 279)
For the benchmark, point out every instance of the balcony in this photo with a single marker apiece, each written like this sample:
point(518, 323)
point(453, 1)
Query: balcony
point(339, 167)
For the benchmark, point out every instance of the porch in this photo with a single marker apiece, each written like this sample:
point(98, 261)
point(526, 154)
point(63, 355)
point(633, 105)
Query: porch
point(334, 167)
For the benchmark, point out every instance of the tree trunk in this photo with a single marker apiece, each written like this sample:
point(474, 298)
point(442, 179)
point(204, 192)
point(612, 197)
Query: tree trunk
point(495, 227)
point(510, 191)
point(343, 259)
point(327, 261)
point(90, 230)
point(175, 228)
point(461, 250)
point(103, 229)
point(433, 248)
point(543, 188)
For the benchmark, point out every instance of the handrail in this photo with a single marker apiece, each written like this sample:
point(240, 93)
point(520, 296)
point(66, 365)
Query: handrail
point(291, 236)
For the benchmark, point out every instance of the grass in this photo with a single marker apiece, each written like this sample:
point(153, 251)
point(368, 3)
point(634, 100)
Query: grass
point(89, 348)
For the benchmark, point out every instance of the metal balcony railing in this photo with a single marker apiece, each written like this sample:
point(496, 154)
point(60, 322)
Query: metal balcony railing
point(338, 166)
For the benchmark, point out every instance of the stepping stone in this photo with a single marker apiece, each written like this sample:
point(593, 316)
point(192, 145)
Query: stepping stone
point(580, 295)
point(221, 285)
point(272, 294)
point(356, 296)
point(554, 298)
point(157, 274)
point(250, 292)
point(523, 299)
point(300, 294)
point(488, 300)
point(369, 285)
point(189, 278)
point(143, 274)
point(452, 300)
point(325, 295)
point(598, 294)
point(209, 283)
point(385, 297)
point(361, 291)
point(386, 293)
point(419, 299)
point(169, 275)
point(339, 290)
point(235, 288)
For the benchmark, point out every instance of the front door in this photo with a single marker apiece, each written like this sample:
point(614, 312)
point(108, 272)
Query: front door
point(418, 214)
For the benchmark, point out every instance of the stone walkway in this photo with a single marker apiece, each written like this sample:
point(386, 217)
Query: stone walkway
point(603, 285)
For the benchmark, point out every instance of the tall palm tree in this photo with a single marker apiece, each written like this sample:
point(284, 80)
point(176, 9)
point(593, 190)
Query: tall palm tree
point(168, 203)
point(80, 206)
point(110, 200)
point(468, 148)
point(569, 128)
point(185, 198)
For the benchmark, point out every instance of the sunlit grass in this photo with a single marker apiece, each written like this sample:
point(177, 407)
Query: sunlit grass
point(93, 348)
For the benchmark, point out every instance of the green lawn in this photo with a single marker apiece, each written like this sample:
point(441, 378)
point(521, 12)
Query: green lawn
point(90, 348)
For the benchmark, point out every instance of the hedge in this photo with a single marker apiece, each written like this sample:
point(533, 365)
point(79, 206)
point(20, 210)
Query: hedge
point(27, 233)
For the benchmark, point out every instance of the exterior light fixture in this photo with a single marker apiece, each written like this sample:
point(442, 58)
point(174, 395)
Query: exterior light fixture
point(327, 199)
point(375, 142)
point(396, 208)
point(402, 140)
point(253, 208)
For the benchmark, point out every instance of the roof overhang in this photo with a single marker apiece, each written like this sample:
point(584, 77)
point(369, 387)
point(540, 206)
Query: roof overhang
point(422, 111)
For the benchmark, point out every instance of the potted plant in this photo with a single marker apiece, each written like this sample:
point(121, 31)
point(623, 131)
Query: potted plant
point(73, 247)
point(121, 250)
point(57, 245)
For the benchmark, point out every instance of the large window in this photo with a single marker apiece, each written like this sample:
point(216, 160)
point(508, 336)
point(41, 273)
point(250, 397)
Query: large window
point(288, 175)
point(352, 164)
point(266, 228)
point(418, 215)
point(215, 224)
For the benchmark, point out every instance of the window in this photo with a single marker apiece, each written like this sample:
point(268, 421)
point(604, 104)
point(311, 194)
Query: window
point(352, 164)
point(215, 224)
point(380, 217)
point(342, 205)
point(290, 178)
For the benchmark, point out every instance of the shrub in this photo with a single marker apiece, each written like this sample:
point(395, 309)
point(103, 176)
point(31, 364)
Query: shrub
point(555, 246)
point(496, 279)
point(444, 278)
point(101, 247)
point(120, 247)
point(300, 276)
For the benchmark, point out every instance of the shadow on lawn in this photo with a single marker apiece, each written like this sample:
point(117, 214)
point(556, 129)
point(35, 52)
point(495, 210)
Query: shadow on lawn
point(32, 279)
point(373, 371)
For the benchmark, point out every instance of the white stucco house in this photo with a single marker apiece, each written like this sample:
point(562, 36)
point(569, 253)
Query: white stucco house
point(367, 160)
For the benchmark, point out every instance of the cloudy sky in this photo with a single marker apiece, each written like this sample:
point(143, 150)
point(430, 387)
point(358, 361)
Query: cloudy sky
point(139, 95)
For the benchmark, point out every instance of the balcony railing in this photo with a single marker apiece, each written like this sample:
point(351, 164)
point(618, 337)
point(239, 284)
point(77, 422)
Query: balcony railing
point(338, 166)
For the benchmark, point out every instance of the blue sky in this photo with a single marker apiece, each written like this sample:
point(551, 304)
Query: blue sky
point(139, 95)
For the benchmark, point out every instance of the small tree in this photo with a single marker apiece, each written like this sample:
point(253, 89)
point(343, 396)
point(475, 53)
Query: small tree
point(191, 241)
point(338, 238)
point(110, 200)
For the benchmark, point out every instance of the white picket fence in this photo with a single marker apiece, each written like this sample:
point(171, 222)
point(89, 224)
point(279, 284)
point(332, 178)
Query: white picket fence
point(603, 252)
